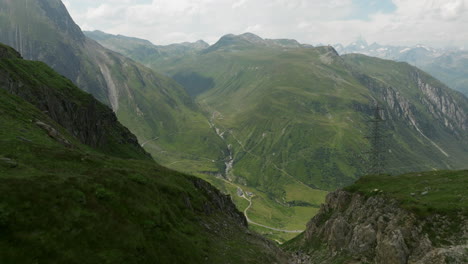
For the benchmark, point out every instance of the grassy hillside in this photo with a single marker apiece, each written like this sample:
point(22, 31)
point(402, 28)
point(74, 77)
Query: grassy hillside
point(295, 118)
point(303, 112)
point(65, 202)
point(143, 50)
point(423, 193)
point(93, 123)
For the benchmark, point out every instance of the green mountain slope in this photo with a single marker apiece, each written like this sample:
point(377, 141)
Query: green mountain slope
point(302, 112)
point(155, 108)
point(295, 119)
point(90, 121)
point(143, 50)
point(65, 202)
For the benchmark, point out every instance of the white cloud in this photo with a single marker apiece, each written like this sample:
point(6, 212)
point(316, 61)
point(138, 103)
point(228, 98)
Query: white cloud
point(433, 22)
point(239, 3)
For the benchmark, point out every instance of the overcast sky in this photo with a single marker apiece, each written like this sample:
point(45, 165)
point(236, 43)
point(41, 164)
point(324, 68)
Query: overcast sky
point(398, 22)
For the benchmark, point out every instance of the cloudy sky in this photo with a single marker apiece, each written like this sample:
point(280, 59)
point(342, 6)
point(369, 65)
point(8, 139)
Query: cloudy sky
point(398, 22)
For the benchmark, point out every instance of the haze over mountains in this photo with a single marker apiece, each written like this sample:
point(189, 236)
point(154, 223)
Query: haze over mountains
point(447, 64)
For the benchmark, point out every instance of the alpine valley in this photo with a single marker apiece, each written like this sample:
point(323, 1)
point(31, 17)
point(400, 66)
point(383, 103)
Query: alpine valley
point(295, 117)
point(99, 135)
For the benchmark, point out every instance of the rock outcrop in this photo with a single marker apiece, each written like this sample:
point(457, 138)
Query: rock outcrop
point(443, 106)
point(90, 121)
point(8, 53)
point(352, 227)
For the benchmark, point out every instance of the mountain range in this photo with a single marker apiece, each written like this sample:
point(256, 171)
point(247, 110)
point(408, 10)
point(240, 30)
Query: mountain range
point(154, 107)
point(447, 64)
point(295, 118)
point(265, 83)
point(273, 123)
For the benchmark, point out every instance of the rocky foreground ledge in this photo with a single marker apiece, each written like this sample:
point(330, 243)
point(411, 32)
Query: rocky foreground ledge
point(375, 227)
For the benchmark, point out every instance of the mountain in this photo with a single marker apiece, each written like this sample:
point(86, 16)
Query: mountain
point(295, 120)
point(411, 218)
point(90, 121)
point(66, 196)
point(290, 109)
point(448, 65)
point(154, 107)
point(143, 50)
point(232, 43)
point(149, 54)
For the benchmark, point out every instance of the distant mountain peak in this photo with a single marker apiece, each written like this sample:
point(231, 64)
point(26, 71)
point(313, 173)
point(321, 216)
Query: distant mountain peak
point(234, 42)
point(201, 42)
point(360, 43)
point(248, 37)
point(251, 37)
point(249, 40)
point(198, 45)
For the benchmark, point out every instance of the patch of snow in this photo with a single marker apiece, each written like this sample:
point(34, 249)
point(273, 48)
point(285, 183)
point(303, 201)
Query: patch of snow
point(405, 50)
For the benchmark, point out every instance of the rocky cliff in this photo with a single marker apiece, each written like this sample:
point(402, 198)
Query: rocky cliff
point(90, 121)
point(442, 105)
point(375, 227)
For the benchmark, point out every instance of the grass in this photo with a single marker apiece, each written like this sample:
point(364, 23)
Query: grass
point(282, 103)
point(424, 193)
point(274, 213)
point(278, 237)
point(73, 109)
point(59, 208)
point(300, 115)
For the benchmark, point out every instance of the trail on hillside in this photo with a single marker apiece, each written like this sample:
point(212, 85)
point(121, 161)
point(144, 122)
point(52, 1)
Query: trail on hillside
point(254, 223)
point(264, 226)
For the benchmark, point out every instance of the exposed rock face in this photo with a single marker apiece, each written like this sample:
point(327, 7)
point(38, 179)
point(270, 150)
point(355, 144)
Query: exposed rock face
point(376, 230)
point(434, 101)
point(442, 106)
point(23, 18)
point(87, 119)
point(219, 202)
point(439, 102)
point(53, 133)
